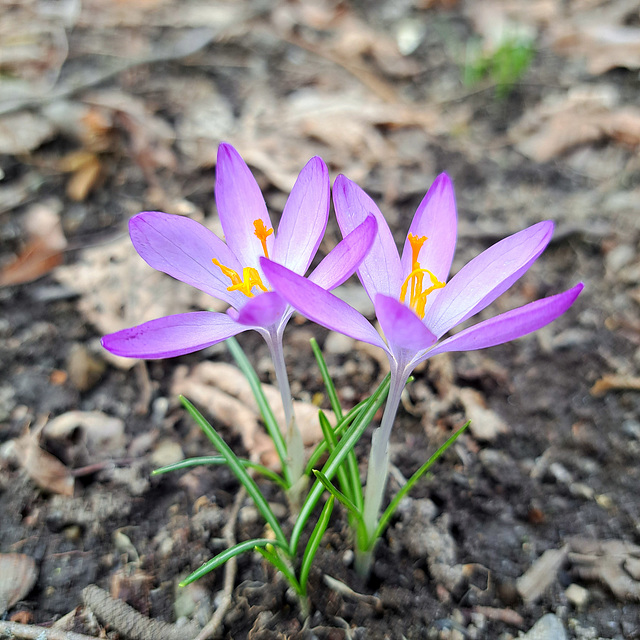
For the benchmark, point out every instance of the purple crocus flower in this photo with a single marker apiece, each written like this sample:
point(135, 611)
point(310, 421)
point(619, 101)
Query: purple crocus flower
point(413, 301)
point(231, 272)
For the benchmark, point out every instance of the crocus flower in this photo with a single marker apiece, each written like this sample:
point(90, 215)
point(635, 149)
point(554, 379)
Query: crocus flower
point(415, 305)
point(231, 272)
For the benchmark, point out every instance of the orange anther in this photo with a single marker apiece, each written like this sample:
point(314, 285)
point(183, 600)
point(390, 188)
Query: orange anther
point(262, 233)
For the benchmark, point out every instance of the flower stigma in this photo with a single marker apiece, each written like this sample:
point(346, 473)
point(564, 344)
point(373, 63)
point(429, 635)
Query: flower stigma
point(418, 292)
point(250, 276)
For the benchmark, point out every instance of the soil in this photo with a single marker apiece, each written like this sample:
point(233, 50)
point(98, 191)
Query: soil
point(562, 468)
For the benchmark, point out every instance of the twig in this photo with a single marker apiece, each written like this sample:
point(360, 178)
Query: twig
point(34, 632)
point(211, 628)
point(131, 623)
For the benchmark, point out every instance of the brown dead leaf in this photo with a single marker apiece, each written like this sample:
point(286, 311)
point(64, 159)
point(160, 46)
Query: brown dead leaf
point(614, 563)
point(42, 467)
point(103, 433)
point(600, 34)
point(541, 574)
point(18, 574)
point(485, 424)
point(226, 394)
point(44, 249)
point(613, 382)
point(583, 116)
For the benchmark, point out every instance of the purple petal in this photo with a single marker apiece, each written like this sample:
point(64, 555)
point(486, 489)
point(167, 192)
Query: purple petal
point(436, 219)
point(240, 203)
point(184, 249)
point(319, 305)
point(172, 335)
point(401, 326)
point(380, 271)
point(339, 265)
point(510, 325)
point(262, 311)
point(487, 276)
point(304, 218)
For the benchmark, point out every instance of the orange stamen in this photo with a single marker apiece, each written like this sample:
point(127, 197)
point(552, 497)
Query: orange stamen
point(262, 233)
point(418, 295)
point(250, 278)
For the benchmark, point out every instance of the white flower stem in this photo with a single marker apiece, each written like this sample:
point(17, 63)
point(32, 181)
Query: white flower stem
point(378, 469)
point(293, 437)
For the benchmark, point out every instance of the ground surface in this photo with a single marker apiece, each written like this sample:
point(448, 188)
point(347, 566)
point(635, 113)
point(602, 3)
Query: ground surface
point(113, 108)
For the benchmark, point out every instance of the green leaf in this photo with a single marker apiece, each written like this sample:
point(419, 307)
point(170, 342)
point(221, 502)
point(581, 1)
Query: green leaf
point(390, 510)
point(314, 543)
point(330, 438)
point(340, 497)
point(338, 430)
point(219, 460)
point(270, 422)
point(239, 471)
point(227, 554)
point(337, 457)
point(270, 554)
point(326, 378)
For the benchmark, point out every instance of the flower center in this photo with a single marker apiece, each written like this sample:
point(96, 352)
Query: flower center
point(414, 284)
point(250, 276)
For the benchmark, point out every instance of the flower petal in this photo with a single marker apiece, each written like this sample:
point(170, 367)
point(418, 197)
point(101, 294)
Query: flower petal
point(263, 310)
point(487, 276)
point(380, 271)
point(304, 218)
point(340, 263)
point(510, 325)
point(437, 220)
point(319, 305)
point(240, 203)
point(184, 249)
point(401, 327)
point(172, 335)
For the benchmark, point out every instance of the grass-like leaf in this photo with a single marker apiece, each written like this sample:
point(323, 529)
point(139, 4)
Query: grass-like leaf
point(219, 460)
point(337, 457)
point(227, 554)
point(390, 510)
point(239, 471)
point(270, 422)
point(314, 543)
point(326, 378)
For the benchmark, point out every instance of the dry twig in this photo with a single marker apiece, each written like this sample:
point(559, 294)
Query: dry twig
point(211, 628)
point(34, 632)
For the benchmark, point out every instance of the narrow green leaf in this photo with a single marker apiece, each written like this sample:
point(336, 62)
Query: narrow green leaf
point(219, 460)
point(314, 543)
point(270, 423)
point(330, 438)
point(270, 554)
point(337, 457)
point(340, 497)
point(342, 425)
point(328, 382)
point(390, 510)
point(239, 471)
point(227, 554)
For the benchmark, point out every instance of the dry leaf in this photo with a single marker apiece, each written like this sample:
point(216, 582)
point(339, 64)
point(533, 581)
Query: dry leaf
point(18, 574)
point(584, 115)
point(101, 432)
point(613, 382)
point(44, 250)
point(541, 574)
point(485, 424)
point(43, 468)
point(225, 393)
point(601, 35)
point(612, 562)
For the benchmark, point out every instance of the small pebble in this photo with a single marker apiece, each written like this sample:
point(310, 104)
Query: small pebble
point(549, 627)
point(578, 596)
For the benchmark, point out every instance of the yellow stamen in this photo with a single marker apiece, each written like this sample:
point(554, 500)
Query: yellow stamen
point(262, 233)
point(418, 295)
point(250, 278)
